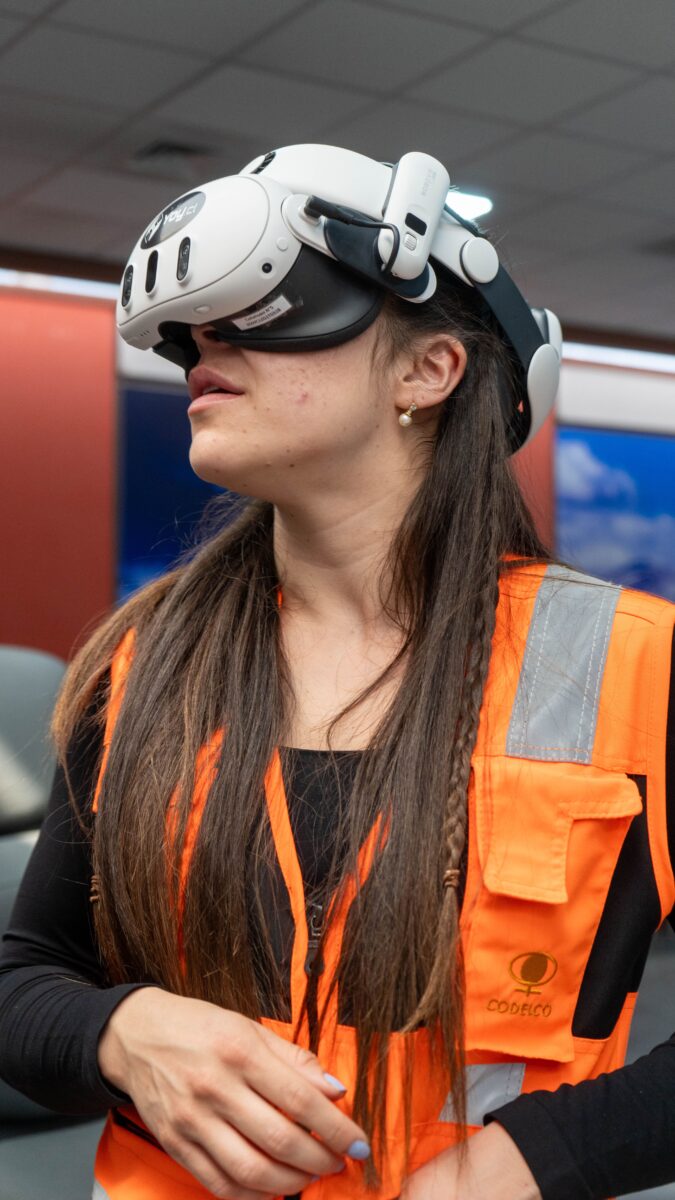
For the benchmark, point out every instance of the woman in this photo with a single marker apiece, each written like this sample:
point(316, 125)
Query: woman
point(378, 634)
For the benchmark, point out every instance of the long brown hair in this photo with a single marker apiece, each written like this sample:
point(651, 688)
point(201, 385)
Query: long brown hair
point(208, 657)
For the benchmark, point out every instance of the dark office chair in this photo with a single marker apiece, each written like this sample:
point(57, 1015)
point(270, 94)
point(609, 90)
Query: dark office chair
point(41, 1154)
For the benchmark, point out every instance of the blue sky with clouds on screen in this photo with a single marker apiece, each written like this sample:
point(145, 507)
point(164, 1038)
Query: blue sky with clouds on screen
point(616, 506)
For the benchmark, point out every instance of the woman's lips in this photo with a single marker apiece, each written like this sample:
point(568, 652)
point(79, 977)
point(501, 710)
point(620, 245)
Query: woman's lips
point(210, 400)
point(203, 379)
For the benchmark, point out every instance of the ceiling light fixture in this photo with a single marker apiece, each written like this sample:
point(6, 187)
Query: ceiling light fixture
point(468, 205)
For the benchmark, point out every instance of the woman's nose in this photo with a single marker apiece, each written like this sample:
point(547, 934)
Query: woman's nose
point(200, 335)
point(203, 334)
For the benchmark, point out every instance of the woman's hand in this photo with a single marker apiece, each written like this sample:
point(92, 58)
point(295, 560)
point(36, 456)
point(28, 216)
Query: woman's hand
point(492, 1169)
point(228, 1099)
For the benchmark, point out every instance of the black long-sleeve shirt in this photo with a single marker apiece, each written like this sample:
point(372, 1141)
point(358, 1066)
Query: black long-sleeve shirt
point(605, 1137)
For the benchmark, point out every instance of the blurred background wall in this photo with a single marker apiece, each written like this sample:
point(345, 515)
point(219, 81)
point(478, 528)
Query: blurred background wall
point(59, 467)
point(99, 495)
point(559, 112)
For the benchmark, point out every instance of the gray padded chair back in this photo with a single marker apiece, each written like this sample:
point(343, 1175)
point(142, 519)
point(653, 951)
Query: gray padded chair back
point(42, 1154)
point(15, 849)
point(29, 684)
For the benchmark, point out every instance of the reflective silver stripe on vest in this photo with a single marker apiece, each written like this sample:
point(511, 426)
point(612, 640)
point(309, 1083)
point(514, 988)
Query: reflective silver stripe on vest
point(488, 1086)
point(556, 707)
point(99, 1193)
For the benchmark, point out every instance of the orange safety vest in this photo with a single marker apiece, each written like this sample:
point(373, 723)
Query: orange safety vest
point(575, 702)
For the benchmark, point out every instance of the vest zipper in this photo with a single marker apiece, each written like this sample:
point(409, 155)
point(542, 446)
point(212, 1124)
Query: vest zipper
point(314, 931)
point(313, 968)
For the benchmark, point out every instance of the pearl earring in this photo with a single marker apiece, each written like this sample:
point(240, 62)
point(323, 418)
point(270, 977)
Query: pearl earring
point(406, 417)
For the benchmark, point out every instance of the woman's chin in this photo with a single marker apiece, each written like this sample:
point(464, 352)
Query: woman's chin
point(232, 477)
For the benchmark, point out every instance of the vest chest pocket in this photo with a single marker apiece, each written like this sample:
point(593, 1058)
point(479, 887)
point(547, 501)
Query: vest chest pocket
point(544, 842)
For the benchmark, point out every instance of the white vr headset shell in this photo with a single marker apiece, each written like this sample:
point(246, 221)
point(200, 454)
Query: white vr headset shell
point(255, 255)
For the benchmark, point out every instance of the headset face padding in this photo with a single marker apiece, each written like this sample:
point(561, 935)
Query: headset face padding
point(298, 251)
point(316, 305)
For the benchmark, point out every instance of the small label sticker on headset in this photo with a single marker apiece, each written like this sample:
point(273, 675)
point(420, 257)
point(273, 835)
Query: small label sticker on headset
point(263, 316)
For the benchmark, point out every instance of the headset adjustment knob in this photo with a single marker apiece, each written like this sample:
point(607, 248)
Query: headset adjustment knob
point(479, 260)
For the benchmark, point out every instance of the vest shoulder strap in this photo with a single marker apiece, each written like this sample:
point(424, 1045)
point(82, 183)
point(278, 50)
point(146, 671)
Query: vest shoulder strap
point(119, 669)
point(555, 709)
point(593, 688)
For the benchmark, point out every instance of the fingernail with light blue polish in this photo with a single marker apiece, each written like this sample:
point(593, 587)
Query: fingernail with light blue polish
point(334, 1082)
point(359, 1150)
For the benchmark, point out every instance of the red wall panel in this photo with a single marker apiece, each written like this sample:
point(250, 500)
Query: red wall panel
point(58, 465)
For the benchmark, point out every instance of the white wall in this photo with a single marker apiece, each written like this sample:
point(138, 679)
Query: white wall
point(136, 364)
point(614, 395)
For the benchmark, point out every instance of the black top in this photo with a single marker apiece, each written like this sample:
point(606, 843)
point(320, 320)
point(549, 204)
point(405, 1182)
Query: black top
point(605, 1137)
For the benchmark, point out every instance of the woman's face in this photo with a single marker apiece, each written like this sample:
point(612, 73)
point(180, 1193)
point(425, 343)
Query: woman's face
point(297, 420)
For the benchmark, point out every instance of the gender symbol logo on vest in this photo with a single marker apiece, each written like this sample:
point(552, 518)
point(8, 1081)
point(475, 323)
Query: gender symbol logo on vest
point(532, 970)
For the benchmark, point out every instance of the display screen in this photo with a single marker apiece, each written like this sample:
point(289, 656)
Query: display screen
point(615, 506)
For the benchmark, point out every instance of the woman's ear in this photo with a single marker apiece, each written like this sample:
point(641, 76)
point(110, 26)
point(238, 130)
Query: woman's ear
point(432, 372)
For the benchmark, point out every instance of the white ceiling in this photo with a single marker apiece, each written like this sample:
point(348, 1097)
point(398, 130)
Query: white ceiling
point(561, 110)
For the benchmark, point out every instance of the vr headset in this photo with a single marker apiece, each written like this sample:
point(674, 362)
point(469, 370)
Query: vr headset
point(297, 252)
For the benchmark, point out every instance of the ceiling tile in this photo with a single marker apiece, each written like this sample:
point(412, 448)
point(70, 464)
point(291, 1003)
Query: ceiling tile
point(276, 109)
point(613, 28)
point(609, 271)
point(607, 291)
point(512, 81)
point(105, 194)
point(116, 249)
point(594, 260)
point(641, 117)
point(603, 273)
point(527, 264)
point(624, 265)
point(619, 301)
point(525, 261)
point(18, 171)
point(656, 305)
point(552, 163)
point(616, 313)
point(363, 47)
point(572, 227)
point(52, 231)
point(645, 191)
point(9, 27)
point(26, 8)
point(78, 66)
point(207, 26)
point(393, 127)
point(484, 13)
point(508, 205)
point(215, 154)
point(53, 131)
